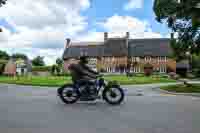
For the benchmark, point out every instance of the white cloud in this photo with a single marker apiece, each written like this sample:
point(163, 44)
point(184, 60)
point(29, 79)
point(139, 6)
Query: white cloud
point(133, 4)
point(119, 25)
point(42, 26)
point(4, 35)
point(37, 14)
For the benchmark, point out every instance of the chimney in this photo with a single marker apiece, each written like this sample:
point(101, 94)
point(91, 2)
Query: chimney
point(127, 40)
point(105, 36)
point(68, 41)
point(127, 35)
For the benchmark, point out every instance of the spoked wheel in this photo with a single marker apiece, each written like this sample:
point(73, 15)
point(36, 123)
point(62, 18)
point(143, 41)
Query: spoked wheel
point(113, 95)
point(68, 94)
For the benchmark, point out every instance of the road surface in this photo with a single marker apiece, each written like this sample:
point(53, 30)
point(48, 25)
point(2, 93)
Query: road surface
point(38, 110)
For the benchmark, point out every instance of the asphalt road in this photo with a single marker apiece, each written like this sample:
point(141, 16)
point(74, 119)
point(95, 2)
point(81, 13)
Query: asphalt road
point(38, 110)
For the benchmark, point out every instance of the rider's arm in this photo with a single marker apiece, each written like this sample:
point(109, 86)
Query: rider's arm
point(91, 71)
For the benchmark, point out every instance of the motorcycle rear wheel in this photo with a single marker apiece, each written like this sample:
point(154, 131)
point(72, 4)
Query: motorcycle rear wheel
point(68, 94)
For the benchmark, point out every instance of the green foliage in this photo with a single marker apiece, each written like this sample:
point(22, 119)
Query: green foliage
point(196, 61)
point(41, 68)
point(196, 65)
point(2, 66)
point(148, 65)
point(4, 55)
point(193, 88)
point(180, 18)
point(2, 2)
point(38, 61)
point(19, 56)
point(59, 81)
point(59, 62)
point(148, 69)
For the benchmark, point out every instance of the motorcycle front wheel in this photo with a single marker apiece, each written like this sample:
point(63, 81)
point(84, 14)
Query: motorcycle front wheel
point(113, 95)
point(68, 94)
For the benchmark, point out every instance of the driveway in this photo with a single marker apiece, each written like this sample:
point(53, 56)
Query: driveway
point(26, 109)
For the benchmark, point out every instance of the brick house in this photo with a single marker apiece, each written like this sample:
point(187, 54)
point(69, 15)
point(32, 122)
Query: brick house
point(115, 54)
point(18, 67)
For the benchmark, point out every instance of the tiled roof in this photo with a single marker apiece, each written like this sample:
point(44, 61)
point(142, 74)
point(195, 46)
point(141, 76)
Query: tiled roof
point(150, 47)
point(115, 47)
point(75, 51)
point(118, 47)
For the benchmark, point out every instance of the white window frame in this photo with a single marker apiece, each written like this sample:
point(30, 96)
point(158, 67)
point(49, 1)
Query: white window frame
point(163, 69)
point(147, 58)
point(136, 69)
point(162, 59)
point(135, 59)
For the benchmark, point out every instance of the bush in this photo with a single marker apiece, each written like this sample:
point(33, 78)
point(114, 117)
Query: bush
point(2, 66)
point(41, 69)
point(173, 75)
point(190, 76)
point(196, 72)
point(148, 69)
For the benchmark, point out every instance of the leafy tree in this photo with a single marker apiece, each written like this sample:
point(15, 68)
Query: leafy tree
point(4, 55)
point(59, 61)
point(2, 66)
point(38, 61)
point(53, 69)
point(182, 18)
point(2, 2)
point(196, 65)
point(59, 66)
point(19, 56)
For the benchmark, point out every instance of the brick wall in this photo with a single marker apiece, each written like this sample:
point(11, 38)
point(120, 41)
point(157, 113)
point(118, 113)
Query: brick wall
point(163, 64)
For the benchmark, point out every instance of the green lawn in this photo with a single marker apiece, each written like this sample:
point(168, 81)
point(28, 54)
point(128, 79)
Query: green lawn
point(193, 88)
point(58, 81)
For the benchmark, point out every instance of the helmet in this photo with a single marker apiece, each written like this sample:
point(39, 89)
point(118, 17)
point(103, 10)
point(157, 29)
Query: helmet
point(84, 59)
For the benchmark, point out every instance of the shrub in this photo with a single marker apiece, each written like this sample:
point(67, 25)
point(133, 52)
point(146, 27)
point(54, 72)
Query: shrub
point(148, 69)
point(2, 66)
point(196, 72)
point(173, 75)
point(41, 68)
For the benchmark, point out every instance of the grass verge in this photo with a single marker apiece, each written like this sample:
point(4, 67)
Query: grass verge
point(53, 81)
point(193, 88)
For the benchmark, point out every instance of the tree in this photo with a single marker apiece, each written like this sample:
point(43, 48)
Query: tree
point(182, 17)
point(59, 61)
point(38, 61)
point(4, 55)
point(19, 56)
point(59, 66)
point(2, 2)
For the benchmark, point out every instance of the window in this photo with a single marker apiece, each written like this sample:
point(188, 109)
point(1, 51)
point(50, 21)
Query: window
point(135, 59)
point(163, 69)
point(136, 69)
point(162, 59)
point(148, 58)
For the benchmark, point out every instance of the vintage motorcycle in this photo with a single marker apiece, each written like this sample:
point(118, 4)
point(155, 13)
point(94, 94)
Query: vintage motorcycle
point(111, 92)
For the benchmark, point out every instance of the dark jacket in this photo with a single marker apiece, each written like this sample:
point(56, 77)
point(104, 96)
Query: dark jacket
point(82, 72)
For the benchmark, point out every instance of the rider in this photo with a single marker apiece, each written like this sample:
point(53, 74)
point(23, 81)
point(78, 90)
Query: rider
point(82, 74)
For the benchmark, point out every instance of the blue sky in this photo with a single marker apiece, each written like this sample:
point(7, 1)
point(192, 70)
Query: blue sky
point(100, 11)
point(41, 27)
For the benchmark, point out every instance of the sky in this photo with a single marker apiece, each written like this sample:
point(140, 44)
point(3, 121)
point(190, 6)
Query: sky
point(39, 28)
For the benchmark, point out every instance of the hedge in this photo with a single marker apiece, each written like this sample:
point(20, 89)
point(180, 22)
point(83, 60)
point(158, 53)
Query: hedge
point(41, 68)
